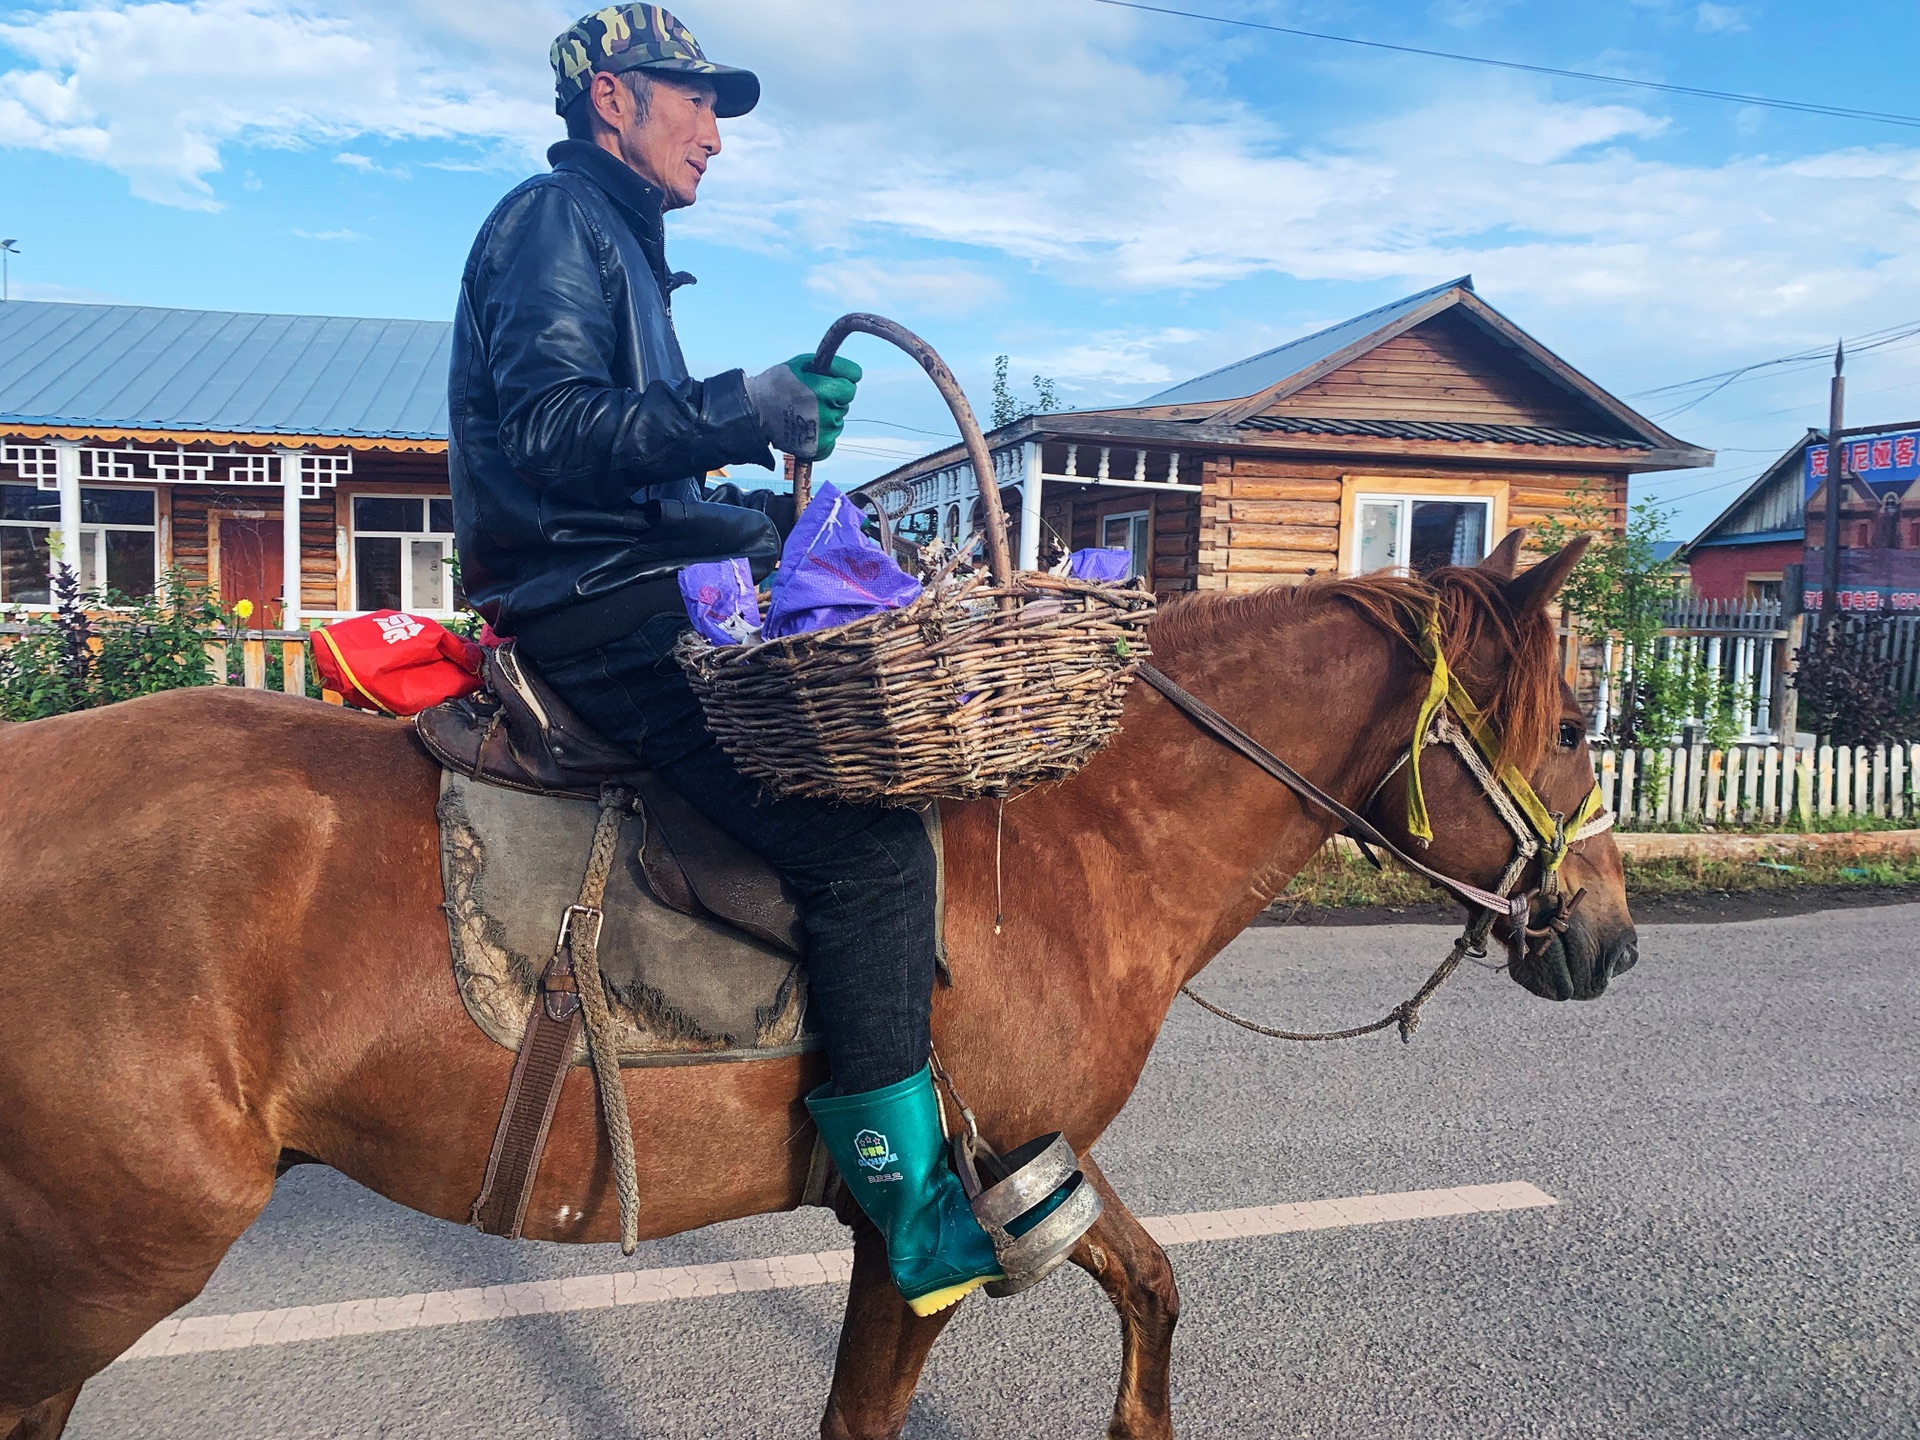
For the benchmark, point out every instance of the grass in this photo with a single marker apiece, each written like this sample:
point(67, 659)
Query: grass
point(1790, 825)
point(1335, 879)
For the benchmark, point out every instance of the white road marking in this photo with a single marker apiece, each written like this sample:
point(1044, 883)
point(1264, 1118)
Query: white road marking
point(198, 1334)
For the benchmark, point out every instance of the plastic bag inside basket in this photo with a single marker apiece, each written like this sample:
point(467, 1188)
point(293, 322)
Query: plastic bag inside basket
point(721, 601)
point(1107, 567)
point(831, 573)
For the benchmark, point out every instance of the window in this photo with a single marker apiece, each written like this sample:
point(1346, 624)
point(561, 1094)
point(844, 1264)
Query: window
point(1417, 534)
point(401, 545)
point(1128, 532)
point(28, 519)
point(119, 542)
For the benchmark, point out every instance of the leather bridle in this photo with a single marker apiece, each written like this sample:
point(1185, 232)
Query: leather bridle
point(1448, 716)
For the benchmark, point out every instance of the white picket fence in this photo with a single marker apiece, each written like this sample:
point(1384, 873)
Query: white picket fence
point(1758, 784)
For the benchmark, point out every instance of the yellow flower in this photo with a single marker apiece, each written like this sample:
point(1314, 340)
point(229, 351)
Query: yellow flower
point(244, 609)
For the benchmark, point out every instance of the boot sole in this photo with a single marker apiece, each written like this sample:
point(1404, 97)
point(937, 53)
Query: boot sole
point(934, 1301)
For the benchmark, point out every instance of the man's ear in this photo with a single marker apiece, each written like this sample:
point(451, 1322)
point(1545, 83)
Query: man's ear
point(1536, 588)
point(607, 97)
point(1505, 558)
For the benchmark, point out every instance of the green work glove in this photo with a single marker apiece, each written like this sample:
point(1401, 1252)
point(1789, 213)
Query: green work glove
point(800, 412)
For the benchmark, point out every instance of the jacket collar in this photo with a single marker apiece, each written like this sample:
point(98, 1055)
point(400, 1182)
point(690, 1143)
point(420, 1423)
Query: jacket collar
point(639, 201)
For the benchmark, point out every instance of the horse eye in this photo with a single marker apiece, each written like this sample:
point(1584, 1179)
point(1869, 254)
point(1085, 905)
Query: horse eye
point(1569, 735)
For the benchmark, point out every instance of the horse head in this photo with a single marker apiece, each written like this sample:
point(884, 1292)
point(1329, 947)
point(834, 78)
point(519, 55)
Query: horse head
point(1494, 632)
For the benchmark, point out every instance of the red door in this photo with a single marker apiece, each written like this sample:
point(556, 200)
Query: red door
point(251, 553)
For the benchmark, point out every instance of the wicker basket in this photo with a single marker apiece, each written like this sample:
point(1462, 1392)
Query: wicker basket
point(986, 685)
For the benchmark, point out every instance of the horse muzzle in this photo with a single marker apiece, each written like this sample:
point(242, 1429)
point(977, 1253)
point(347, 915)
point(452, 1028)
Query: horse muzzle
point(1565, 955)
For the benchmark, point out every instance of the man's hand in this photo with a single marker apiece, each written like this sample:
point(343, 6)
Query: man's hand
point(800, 412)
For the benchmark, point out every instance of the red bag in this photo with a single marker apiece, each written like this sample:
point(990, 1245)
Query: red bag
point(392, 661)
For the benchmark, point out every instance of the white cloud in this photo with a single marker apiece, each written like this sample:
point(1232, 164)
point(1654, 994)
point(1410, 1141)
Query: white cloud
point(1035, 134)
point(129, 85)
point(329, 234)
point(1712, 19)
point(936, 287)
point(367, 165)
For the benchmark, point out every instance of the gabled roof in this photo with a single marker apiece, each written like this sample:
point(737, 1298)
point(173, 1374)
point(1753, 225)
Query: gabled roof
point(1235, 394)
point(1270, 367)
point(1774, 506)
point(88, 369)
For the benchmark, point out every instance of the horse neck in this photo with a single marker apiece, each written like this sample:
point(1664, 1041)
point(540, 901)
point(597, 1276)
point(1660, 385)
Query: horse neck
point(1201, 838)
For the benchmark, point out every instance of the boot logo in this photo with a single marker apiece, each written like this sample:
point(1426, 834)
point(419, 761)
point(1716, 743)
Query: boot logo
point(873, 1150)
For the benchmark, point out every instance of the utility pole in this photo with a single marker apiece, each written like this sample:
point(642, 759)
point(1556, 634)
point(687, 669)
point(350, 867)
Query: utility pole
point(1836, 477)
point(7, 249)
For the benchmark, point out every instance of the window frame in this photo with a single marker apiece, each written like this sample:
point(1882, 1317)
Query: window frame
point(355, 534)
point(1407, 489)
point(93, 536)
point(1143, 515)
point(97, 534)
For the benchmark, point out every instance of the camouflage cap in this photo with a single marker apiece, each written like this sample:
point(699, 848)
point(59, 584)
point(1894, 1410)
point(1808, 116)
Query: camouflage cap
point(642, 37)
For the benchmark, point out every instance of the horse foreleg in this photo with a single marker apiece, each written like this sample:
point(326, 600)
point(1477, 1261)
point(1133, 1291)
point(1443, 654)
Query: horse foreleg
point(46, 1420)
point(1134, 1271)
point(883, 1344)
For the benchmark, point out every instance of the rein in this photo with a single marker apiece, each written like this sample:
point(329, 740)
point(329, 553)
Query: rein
point(1536, 830)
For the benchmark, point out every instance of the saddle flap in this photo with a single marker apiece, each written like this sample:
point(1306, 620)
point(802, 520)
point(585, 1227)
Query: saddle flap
point(727, 880)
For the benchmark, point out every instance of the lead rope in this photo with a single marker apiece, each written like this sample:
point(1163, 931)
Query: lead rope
point(1406, 1014)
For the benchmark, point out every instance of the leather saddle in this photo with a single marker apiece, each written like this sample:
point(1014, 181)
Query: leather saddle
point(519, 734)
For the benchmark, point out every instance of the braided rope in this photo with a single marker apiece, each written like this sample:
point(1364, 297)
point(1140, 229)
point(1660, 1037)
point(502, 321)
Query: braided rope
point(602, 1039)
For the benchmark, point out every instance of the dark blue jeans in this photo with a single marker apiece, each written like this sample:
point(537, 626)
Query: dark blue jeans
point(865, 875)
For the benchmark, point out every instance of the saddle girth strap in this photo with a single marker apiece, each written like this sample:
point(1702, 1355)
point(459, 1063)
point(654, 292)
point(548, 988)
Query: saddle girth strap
point(570, 994)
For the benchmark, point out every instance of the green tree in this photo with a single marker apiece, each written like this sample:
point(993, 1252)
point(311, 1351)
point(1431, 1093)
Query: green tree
point(1008, 407)
point(1622, 588)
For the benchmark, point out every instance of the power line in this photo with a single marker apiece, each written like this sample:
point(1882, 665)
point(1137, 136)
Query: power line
point(1803, 107)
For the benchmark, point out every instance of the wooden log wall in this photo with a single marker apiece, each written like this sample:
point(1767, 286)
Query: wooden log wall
point(1265, 521)
point(192, 543)
point(1173, 533)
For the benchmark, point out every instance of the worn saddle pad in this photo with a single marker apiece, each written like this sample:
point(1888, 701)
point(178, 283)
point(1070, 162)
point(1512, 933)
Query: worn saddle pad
point(684, 989)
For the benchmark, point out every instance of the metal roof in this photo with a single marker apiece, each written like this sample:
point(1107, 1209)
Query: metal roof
point(1438, 430)
point(1270, 367)
point(138, 367)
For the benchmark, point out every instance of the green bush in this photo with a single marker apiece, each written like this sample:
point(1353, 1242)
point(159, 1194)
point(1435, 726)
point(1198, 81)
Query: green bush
point(94, 649)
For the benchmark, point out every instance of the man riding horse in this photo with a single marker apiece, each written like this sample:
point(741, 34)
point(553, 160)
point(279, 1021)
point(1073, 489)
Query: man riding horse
point(579, 447)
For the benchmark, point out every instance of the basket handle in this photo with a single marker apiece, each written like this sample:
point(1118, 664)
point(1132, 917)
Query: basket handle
point(998, 559)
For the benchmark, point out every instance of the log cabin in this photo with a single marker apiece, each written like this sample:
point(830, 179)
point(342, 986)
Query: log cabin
point(296, 462)
point(1411, 436)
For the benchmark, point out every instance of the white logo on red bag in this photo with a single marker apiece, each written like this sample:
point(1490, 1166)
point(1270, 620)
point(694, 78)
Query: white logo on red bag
point(398, 627)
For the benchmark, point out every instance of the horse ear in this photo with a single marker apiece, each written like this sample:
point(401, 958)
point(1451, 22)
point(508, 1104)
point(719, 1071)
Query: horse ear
point(1535, 588)
point(1505, 557)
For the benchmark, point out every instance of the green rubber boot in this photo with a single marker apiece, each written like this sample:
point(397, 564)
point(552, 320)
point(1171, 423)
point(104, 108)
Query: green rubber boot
point(888, 1148)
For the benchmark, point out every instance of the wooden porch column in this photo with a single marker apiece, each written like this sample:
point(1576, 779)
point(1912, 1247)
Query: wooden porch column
point(1030, 510)
point(290, 596)
point(66, 476)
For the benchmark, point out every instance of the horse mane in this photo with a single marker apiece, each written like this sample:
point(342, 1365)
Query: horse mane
point(1508, 662)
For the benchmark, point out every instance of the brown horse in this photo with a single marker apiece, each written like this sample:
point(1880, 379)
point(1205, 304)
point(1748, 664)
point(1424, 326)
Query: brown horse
point(221, 945)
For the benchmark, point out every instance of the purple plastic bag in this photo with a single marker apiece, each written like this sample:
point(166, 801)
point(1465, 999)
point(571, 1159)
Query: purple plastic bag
point(831, 573)
point(721, 601)
point(1104, 567)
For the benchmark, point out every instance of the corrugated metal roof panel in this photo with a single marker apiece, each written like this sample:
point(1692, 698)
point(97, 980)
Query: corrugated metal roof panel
point(1438, 430)
point(1270, 367)
point(138, 367)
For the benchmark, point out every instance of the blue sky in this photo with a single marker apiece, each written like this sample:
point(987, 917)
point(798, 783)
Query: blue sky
point(1116, 200)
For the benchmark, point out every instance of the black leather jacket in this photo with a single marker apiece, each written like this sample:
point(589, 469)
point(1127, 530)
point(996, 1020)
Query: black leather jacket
point(578, 443)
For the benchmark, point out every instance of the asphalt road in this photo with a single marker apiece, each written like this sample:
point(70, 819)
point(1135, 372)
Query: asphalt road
point(1731, 1133)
